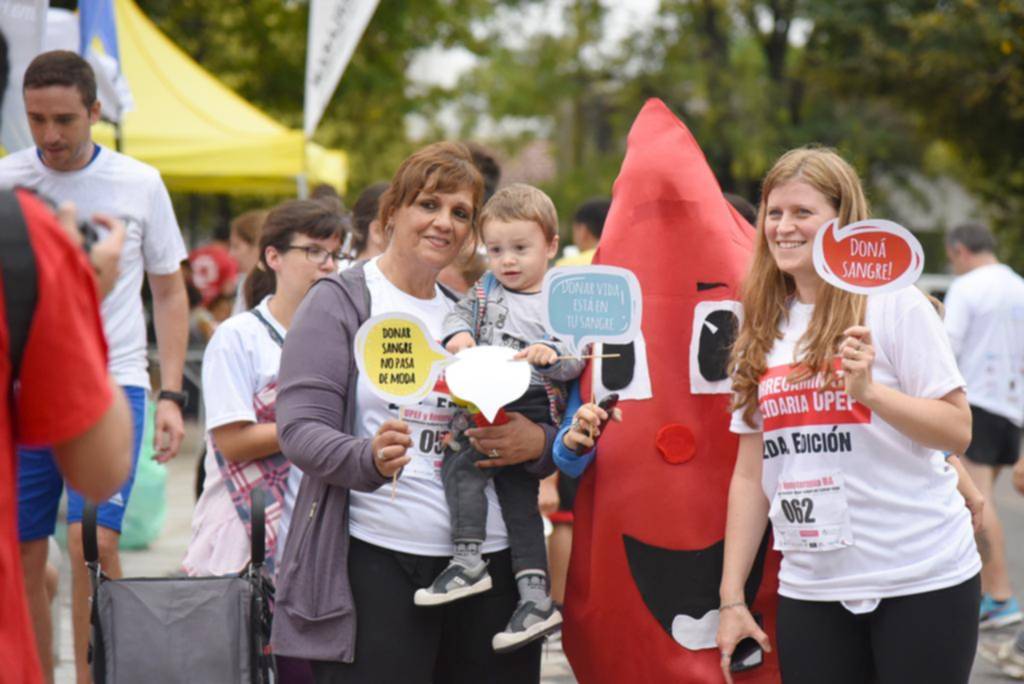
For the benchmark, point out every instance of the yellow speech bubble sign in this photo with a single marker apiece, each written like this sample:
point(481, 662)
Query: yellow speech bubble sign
point(395, 353)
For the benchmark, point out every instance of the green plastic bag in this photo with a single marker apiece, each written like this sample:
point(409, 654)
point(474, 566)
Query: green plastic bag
point(147, 505)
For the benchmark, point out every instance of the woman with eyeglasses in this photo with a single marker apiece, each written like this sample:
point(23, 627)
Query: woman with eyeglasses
point(300, 243)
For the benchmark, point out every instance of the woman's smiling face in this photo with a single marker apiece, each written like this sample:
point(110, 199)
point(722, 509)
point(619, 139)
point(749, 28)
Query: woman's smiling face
point(433, 228)
point(794, 213)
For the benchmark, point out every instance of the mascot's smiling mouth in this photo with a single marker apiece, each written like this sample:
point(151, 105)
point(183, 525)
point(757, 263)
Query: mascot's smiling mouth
point(680, 588)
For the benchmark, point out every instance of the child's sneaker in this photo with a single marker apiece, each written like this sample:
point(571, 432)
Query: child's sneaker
point(455, 582)
point(1005, 655)
point(994, 614)
point(527, 624)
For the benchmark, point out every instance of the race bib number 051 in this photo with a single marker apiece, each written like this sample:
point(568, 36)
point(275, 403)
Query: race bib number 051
point(811, 514)
point(429, 425)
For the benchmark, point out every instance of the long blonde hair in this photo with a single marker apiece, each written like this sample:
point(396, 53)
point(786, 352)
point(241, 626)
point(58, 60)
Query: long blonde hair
point(767, 290)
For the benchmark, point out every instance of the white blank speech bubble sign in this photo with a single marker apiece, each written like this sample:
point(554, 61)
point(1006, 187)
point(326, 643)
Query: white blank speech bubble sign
point(487, 377)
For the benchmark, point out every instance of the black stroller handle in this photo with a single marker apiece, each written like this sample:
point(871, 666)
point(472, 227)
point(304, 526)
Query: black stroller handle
point(258, 499)
point(90, 549)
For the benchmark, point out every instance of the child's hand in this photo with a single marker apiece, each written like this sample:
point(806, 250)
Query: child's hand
point(538, 355)
point(548, 499)
point(585, 428)
point(460, 341)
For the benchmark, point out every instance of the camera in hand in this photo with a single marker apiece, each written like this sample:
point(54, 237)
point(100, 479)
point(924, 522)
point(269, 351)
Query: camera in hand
point(90, 235)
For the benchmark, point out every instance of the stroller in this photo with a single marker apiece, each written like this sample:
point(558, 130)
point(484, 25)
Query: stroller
point(182, 629)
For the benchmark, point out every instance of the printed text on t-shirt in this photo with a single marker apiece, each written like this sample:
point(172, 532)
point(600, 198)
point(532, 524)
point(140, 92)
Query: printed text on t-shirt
point(805, 402)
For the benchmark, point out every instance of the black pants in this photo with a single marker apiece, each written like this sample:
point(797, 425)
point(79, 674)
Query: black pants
point(465, 490)
point(929, 637)
point(397, 641)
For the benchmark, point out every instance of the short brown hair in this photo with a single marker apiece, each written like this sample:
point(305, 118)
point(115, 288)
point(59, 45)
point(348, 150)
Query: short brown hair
point(522, 202)
point(61, 68)
point(440, 167)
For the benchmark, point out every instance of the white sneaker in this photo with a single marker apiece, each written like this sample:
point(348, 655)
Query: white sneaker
point(455, 582)
point(528, 623)
point(1004, 655)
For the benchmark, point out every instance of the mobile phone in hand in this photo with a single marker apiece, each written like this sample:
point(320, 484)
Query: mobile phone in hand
point(748, 653)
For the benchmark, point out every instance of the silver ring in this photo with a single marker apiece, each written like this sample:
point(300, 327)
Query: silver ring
point(495, 454)
point(575, 426)
point(726, 656)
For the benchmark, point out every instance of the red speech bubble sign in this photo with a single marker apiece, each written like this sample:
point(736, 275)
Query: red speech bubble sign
point(867, 257)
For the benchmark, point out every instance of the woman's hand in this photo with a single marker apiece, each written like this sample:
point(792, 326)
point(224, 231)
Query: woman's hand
point(975, 504)
point(517, 441)
point(735, 623)
point(857, 356)
point(585, 428)
point(548, 500)
point(389, 447)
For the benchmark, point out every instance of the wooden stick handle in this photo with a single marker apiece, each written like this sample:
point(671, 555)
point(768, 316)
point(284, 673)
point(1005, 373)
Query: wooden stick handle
point(581, 358)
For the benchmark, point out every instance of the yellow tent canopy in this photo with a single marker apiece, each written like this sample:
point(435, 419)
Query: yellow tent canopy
point(201, 135)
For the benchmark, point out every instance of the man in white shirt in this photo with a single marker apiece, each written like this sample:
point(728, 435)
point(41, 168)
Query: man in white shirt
point(66, 165)
point(985, 322)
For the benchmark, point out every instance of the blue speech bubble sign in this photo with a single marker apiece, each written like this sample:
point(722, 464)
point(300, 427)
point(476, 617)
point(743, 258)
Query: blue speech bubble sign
point(586, 304)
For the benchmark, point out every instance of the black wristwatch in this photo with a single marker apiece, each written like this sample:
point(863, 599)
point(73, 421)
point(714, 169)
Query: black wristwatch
point(179, 398)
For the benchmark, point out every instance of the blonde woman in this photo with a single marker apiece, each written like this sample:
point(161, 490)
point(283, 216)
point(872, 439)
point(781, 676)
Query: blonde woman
point(844, 404)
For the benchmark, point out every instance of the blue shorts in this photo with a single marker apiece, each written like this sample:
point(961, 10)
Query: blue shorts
point(40, 484)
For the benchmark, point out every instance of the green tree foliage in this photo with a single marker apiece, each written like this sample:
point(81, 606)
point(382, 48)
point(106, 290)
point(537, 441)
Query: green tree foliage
point(958, 67)
point(896, 85)
point(258, 47)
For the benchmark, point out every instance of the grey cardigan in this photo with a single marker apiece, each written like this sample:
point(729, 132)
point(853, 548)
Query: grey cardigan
point(314, 616)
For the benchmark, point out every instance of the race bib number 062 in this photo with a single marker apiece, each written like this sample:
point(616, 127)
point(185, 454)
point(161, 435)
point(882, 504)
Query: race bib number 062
point(811, 514)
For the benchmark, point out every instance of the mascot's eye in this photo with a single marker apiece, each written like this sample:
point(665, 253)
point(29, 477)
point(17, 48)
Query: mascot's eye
point(628, 375)
point(618, 373)
point(715, 326)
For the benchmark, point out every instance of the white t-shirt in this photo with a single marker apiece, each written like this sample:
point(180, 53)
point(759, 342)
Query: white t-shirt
point(417, 521)
point(133, 191)
point(985, 321)
point(241, 360)
point(859, 510)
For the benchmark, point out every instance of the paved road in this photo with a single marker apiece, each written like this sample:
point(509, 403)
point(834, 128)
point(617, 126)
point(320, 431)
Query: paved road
point(164, 557)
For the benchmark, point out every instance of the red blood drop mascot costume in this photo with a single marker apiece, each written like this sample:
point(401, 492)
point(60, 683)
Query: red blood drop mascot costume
point(642, 593)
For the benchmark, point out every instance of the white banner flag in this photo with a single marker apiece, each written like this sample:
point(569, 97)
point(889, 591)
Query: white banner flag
point(335, 27)
point(23, 24)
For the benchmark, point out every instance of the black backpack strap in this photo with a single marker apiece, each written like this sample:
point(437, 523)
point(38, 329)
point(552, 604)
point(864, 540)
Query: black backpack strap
point(258, 499)
point(274, 335)
point(18, 268)
point(447, 292)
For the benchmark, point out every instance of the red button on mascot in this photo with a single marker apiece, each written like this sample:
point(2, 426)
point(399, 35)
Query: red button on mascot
point(642, 592)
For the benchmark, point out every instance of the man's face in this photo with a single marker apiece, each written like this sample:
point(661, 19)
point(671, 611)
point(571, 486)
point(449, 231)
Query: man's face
point(60, 124)
point(957, 256)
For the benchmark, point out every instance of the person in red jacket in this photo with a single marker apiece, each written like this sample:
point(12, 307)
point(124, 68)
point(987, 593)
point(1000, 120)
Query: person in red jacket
point(60, 393)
